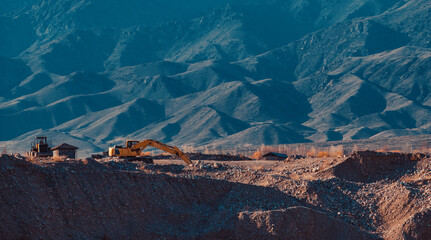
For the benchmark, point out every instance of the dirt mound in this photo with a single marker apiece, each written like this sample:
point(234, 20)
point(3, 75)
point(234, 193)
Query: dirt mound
point(296, 223)
point(369, 166)
point(230, 200)
point(395, 204)
point(418, 226)
point(92, 200)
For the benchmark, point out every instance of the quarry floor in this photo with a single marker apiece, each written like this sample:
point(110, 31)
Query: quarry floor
point(366, 197)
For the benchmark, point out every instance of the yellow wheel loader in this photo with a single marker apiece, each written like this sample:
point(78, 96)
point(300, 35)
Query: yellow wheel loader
point(133, 149)
point(40, 148)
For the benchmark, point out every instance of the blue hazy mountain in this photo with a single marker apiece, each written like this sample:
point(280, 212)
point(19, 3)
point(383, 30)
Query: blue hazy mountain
point(95, 72)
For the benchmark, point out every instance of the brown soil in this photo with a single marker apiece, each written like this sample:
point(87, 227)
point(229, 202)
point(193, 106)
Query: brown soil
point(295, 223)
point(301, 199)
point(368, 166)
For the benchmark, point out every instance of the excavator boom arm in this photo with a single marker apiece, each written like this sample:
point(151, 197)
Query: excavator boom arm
point(170, 149)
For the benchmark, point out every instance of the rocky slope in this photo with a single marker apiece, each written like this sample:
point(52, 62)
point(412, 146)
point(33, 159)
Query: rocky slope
point(92, 201)
point(368, 195)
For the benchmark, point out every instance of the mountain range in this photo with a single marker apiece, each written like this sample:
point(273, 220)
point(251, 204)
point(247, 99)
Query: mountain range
point(213, 73)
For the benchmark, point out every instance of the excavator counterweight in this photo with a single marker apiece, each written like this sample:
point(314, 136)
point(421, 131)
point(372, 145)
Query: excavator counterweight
point(134, 149)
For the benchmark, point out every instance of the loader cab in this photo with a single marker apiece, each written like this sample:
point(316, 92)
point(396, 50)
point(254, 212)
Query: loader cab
point(40, 148)
point(42, 144)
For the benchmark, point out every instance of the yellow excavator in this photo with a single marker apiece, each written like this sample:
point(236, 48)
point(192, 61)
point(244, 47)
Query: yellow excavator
point(134, 148)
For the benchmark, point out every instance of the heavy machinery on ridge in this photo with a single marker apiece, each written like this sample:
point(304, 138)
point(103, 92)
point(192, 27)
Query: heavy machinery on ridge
point(133, 150)
point(40, 148)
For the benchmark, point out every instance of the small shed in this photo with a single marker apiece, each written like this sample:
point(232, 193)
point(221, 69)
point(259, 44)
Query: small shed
point(274, 156)
point(65, 149)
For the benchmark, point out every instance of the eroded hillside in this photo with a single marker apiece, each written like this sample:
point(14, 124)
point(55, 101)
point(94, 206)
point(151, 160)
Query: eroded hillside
point(366, 196)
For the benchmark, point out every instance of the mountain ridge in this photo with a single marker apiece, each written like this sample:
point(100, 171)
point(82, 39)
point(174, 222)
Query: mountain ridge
point(225, 73)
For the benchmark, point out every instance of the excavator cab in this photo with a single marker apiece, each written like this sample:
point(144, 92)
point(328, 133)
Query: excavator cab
point(130, 143)
point(127, 153)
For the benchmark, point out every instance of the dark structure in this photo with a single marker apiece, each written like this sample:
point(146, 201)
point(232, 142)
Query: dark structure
point(40, 148)
point(66, 150)
point(274, 156)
